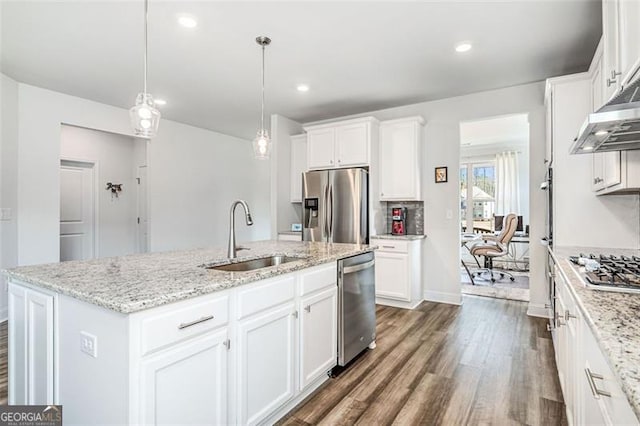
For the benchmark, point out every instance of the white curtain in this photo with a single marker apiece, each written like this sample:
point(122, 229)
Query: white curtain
point(507, 184)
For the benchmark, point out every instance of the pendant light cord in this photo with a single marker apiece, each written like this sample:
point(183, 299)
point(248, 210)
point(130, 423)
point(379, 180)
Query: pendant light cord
point(262, 119)
point(146, 18)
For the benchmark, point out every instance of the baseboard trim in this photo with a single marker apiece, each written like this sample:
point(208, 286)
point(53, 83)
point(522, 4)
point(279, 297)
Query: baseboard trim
point(537, 310)
point(441, 297)
point(397, 303)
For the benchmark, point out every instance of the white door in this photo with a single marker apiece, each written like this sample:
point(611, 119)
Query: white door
point(392, 276)
point(77, 216)
point(352, 145)
point(187, 384)
point(266, 348)
point(320, 148)
point(142, 208)
point(318, 335)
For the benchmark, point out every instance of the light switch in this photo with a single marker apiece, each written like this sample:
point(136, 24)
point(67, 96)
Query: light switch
point(449, 214)
point(5, 214)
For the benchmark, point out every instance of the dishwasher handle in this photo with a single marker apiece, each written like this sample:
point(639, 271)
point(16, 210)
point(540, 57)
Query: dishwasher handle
point(358, 268)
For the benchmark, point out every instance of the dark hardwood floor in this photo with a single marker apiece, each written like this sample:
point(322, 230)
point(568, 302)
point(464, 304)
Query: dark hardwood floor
point(485, 362)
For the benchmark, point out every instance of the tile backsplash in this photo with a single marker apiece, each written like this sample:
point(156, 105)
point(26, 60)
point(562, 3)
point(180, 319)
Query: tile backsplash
point(415, 215)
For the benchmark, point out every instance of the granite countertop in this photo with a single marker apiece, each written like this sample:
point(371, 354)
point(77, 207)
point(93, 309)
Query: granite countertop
point(398, 237)
point(613, 317)
point(133, 283)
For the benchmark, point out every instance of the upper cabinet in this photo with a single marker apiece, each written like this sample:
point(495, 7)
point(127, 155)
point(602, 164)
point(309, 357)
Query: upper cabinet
point(298, 165)
point(341, 144)
point(621, 44)
point(400, 157)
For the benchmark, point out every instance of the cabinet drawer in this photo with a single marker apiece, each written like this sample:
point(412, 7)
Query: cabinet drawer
point(173, 326)
point(272, 293)
point(319, 278)
point(391, 245)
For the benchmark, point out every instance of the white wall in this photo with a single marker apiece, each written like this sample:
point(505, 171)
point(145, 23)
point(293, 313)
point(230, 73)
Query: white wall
point(581, 218)
point(441, 260)
point(283, 211)
point(193, 176)
point(8, 180)
point(115, 162)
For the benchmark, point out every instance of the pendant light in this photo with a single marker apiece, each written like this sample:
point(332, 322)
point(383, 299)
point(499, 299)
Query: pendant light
point(145, 118)
point(262, 143)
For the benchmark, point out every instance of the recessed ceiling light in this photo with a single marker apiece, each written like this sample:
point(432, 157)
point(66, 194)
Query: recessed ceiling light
point(601, 132)
point(160, 102)
point(302, 88)
point(587, 148)
point(463, 47)
point(187, 21)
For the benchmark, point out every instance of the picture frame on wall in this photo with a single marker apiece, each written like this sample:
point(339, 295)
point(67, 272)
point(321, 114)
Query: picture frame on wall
point(441, 174)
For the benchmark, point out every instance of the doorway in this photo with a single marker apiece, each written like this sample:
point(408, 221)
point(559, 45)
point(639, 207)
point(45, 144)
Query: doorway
point(494, 183)
point(103, 194)
point(77, 210)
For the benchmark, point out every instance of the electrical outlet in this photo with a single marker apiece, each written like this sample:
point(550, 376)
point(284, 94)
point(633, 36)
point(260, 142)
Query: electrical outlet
point(89, 344)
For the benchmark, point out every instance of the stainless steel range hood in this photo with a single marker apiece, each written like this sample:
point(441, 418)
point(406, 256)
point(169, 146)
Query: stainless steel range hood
point(614, 127)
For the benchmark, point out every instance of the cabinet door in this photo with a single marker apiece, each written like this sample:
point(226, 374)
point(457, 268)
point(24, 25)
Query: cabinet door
point(31, 367)
point(399, 162)
point(392, 276)
point(187, 383)
point(612, 163)
point(320, 148)
point(352, 145)
point(629, 29)
point(298, 166)
point(318, 335)
point(265, 374)
point(610, 34)
point(598, 171)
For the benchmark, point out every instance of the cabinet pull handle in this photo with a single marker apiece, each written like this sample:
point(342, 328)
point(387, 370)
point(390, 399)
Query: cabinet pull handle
point(592, 384)
point(308, 308)
point(295, 314)
point(568, 315)
point(198, 321)
point(389, 247)
point(227, 344)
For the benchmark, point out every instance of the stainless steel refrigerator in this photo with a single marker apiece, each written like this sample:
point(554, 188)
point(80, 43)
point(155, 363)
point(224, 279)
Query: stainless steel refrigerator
point(336, 206)
point(336, 210)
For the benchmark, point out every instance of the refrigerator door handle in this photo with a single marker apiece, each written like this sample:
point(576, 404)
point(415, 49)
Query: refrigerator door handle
point(331, 211)
point(325, 207)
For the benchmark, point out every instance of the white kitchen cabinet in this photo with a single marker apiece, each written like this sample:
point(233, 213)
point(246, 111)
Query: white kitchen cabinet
point(318, 334)
point(398, 272)
point(610, 39)
point(400, 159)
point(341, 144)
point(298, 166)
point(199, 370)
point(31, 372)
point(266, 347)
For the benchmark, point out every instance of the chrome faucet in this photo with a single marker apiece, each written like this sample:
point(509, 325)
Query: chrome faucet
point(231, 252)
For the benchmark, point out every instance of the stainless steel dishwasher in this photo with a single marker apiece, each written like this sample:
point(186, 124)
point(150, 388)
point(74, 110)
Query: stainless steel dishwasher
point(356, 306)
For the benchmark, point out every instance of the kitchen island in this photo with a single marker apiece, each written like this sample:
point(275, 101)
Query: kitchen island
point(597, 343)
point(160, 338)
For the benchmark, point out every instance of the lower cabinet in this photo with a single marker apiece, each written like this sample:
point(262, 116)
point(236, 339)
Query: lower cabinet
point(591, 392)
point(318, 335)
point(31, 371)
point(187, 384)
point(266, 363)
point(398, 272)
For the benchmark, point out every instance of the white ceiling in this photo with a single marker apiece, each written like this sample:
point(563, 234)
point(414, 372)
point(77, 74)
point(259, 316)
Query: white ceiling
point(356, 56)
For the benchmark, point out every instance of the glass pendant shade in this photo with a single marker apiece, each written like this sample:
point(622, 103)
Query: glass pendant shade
point(145, 118)
point(262, 145)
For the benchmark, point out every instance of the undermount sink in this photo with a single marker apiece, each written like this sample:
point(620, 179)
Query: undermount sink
point(253, 264)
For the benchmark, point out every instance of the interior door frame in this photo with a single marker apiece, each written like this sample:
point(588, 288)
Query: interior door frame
point(96, 202)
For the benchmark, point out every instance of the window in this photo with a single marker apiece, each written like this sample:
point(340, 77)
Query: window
point(482, 194)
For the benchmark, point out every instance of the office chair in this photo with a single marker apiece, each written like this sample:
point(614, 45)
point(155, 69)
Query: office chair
point(494, 247)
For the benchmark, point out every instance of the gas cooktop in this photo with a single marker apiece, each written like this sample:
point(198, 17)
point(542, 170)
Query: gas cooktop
point(610, 272)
